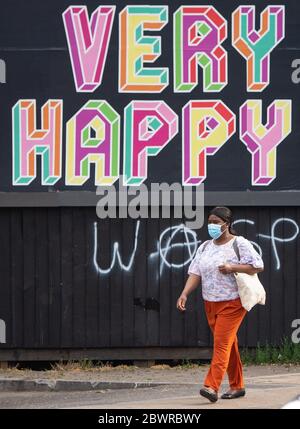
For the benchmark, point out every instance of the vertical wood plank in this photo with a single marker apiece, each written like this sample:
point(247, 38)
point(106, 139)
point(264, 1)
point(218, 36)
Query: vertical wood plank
point(79, 278)
point(103, 260)
point(140, 276)
point(165, 285)
point(5, 274)
point(116, 291)
point(92, 282)
point(130, 238)
point(153, 282)
point(40, 306)
point(55, 281)
point(29, 280)
point(66, 228)
point(17, 276)
point(264, 312)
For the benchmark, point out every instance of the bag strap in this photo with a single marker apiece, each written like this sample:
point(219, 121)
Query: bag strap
point(204, 245)
point(236, 248)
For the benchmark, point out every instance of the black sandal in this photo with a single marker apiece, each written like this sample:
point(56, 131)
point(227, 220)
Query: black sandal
point(237, 394)
point(213, 397)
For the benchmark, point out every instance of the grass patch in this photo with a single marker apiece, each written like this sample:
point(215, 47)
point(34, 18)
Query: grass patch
point(191, 363)
point(85, 365)
point(286, 353)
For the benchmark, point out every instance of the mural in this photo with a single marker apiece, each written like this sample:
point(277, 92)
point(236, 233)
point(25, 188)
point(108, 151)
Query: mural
point(129, 72)
point(93, 137)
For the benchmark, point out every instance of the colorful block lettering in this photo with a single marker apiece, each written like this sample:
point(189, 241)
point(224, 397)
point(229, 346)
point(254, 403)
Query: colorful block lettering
point(93, 136)
point(207, 125)
point(136, 49)
point(149, 126)
point(28, 142)
point(262, 140)
point(198, 34)
point(88, 44)
point(256, 46)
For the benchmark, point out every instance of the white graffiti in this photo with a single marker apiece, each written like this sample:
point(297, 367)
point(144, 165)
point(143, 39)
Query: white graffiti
point(116, 253)
point(165, 246)
point(2, 332)
point(273, 237)
point(181, 238)
point(163, 250)
point(258, 248)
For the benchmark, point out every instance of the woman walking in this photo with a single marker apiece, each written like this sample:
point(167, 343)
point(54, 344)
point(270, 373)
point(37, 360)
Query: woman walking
point(213, 265)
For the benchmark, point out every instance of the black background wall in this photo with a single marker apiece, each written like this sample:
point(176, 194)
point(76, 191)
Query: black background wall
point(33, 44)
point(57, 291)
point(62, 285)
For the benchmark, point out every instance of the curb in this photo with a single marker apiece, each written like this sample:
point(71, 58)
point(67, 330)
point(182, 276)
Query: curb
point(45, 385)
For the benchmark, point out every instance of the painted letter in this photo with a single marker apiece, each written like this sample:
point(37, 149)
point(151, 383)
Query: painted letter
point(262, 140)
point(88, 44)
point(256, 46)
point(198, 34)
point(207, 125)
point(136, 48)
point(93, 135)
point(28, 142)
point(149, 126)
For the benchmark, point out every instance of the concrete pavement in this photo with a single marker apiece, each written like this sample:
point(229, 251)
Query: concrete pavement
point(267, 391)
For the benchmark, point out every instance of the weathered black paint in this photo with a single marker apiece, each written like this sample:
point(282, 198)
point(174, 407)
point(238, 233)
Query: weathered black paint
point(52, 297)
point(53, 301)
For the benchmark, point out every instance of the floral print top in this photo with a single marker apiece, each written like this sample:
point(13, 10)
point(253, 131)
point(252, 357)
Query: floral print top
point(217, 286)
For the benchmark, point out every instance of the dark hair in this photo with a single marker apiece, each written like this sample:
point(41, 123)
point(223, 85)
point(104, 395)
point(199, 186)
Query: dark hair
point(226, 214)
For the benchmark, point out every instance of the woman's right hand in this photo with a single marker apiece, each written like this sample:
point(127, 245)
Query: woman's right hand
point(181, 302)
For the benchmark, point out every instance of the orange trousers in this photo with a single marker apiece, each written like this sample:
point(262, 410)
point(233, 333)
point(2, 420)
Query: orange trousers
point(224, 319)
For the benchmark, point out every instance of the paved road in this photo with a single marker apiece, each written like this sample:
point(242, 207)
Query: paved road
point(268, 391)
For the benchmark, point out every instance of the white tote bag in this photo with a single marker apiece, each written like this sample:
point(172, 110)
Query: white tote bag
point(250, 289)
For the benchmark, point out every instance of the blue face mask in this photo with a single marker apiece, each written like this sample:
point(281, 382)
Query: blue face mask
point(214, 230)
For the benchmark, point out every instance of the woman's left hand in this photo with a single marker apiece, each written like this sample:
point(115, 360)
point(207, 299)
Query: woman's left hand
point(225, 269)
